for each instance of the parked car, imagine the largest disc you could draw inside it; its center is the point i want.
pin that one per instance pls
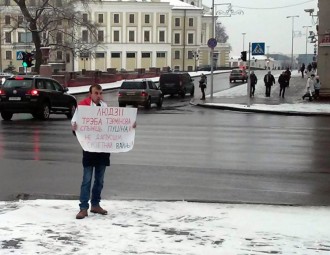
(40, 96)
(144, 92)
(238, 75)
(177, 83)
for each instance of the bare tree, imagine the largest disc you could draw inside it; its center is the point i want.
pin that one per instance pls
(220, 33)
(55, 23)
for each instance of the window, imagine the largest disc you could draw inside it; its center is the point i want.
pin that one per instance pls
(49, 85)
(115, 55)
(191, 22)
(190, 38)
(85, 18)
(59, 37)
(161, 36)
(147, 18)
(84, 36)
(116, 18)
(59, 55)
(145, 54)
(7, 20)
(131, 18)
(20, 20)
(176, 54)
(162, 19)
(146, 36)
(100, 18)
(116, 36)
(68, 57)
(177, 38)
(100, 36)
(177, 22)
(8, 55)
(131, 36)
(160, 54)
(130, 55)
(190, 55)
(99, 55)
(7, 37)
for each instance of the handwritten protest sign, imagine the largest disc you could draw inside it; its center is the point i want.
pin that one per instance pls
(106, 129)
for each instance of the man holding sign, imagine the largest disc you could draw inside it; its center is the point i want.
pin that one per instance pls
(100, 131)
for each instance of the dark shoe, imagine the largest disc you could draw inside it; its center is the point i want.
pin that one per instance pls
(82, 214)
(99, 210)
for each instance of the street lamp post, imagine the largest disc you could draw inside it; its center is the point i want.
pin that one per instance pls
(306, 57)
(292, 17)
(243, 40)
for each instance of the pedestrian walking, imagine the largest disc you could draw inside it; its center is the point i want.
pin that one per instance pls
(317, 87)
(269, 80)
(253, 82)
(288, 76)
(302, 70)
(310, 88)
(202, 85)
(283, 81)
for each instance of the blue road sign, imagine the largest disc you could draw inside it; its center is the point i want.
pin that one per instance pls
(258, 48)
(212, 43)
(19, 55)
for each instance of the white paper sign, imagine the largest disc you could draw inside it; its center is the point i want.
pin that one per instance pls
(106, 129)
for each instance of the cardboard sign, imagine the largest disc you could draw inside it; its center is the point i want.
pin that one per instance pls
(106, 129)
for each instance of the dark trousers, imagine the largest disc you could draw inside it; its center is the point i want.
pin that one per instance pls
(282, 91)
(302, 73)
(253, 88)
(317, 93)
(203, 92)
(268, 90)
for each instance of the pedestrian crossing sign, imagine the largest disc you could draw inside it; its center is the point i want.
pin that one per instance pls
(258, 48)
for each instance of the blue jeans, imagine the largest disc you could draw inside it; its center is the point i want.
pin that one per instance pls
(85, 189)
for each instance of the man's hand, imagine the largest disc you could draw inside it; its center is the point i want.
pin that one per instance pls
(134, 124)
(74, 126)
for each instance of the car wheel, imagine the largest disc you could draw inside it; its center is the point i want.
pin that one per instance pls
(72, 110)
(160, 102)
(44, 111)
(6, 115)
(192, 92)
(122, 105)
(148, 103)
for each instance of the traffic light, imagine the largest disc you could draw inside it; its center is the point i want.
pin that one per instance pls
(243, 55)
(30, 58)
(24, 59)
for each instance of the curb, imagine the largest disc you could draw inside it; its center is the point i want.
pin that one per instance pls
(286, 113)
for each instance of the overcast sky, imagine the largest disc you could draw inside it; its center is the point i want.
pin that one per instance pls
(268, 24)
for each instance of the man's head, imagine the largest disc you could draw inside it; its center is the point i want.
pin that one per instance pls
(95, 93)
(312, 76)
(269, 72)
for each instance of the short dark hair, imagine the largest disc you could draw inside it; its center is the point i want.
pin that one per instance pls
(97, 86)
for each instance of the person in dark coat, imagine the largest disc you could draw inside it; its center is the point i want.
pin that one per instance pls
(288, 76)
(269, 81)
(202, 85)
(254, 81)
(302, 70)
(283, 81)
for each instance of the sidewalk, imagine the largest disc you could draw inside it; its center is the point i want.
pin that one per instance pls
(235, 99)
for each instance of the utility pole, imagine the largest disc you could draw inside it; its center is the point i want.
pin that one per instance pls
(292, 35)
(306, 57)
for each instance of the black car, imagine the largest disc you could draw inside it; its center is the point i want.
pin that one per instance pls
(177, 83)
(37, 95)
(143, 92)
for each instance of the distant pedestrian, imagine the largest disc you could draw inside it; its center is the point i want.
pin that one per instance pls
(202, 85)
(269, 81)
(310, 87)
(288, 76)
(283, 81)
(302, 70)
(317, 87)
(253, 83)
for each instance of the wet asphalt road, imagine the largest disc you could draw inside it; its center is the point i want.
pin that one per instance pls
(181, 152)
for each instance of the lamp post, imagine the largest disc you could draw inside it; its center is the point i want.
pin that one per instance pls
(292, 17)
(306, 58)
(243, 40)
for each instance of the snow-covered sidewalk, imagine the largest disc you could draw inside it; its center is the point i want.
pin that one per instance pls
(147, 227)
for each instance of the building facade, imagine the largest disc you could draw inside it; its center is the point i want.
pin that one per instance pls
(131, 34)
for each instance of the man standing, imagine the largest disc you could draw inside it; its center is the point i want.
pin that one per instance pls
(283, 81)
(92, 161)
(269, 81)
(253, 83)
(310, 88)
(202, 85)
(302, 70)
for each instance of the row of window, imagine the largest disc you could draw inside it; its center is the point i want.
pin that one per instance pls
(132, 36)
